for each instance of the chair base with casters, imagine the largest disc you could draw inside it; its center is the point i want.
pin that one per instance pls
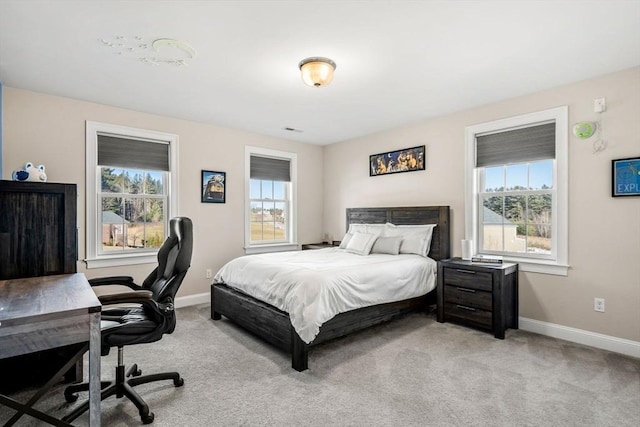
(121, 387)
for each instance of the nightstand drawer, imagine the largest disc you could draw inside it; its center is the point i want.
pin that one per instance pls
(477, 317)
(468, 297)
(468, 279)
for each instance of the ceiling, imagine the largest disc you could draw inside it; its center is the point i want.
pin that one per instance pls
(398, 62)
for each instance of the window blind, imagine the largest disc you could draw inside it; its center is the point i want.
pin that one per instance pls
(133, 153)
(270, 168)
(514, 146)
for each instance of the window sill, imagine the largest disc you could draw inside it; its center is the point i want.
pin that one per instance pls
(540, 266)
(121, 260)
(278, 247)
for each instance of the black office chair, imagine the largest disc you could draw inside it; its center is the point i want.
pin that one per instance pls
(150, 317)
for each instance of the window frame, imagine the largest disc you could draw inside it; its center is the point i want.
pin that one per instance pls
(95, 257)
(558, 263)
(292, 220)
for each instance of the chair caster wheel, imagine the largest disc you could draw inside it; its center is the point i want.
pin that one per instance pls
(134, 371)
(179, 383)
(147, 419)
(70, 398)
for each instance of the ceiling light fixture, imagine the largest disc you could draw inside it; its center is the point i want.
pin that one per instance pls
(157, 44)
(317, 71)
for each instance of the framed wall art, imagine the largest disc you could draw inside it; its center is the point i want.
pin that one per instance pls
(405, 160)
(625, 177)
(213, 187)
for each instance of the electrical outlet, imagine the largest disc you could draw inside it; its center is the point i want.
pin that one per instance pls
(598, 304)
(209, 274)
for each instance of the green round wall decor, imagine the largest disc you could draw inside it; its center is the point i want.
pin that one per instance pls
(584, 130)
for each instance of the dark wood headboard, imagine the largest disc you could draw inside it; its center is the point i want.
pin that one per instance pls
(415, 215)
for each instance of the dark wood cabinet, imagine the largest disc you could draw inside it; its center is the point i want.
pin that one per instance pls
(484, 296)
(38, 237)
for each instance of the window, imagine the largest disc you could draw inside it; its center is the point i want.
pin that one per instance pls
(270, 200)
(516, 190)
(131, 181)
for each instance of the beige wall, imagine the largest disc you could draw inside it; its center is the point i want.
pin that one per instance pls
(604, 233)
(50, 130)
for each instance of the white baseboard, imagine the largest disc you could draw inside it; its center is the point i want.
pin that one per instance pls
(193, 299)
(605, 342)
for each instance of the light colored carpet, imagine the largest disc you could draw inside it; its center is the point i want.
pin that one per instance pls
(410, 372)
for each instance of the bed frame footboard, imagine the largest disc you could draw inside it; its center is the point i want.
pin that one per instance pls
(258, 317)
(274, 325)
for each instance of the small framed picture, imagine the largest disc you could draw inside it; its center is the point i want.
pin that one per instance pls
(213, 187)
(406, 160)
(625, 177)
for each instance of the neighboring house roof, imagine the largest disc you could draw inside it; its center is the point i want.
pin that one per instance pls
(109, 217)
(490, 217)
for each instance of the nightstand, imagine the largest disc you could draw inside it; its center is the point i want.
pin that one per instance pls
(317, 246)
(483, 296)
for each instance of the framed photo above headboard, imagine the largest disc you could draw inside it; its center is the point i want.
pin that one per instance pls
(405, 160)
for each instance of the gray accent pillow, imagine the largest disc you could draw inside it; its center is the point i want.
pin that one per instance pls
(387, 245)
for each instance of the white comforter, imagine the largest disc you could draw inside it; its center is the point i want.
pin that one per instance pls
(315, 285)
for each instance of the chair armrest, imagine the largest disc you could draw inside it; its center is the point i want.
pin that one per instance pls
(115, 280)
(132, 297)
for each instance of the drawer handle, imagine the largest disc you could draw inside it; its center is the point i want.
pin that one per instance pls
(471, 291)
(466, 308)
(465, 271)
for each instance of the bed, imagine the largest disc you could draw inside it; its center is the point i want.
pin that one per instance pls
(274, 325)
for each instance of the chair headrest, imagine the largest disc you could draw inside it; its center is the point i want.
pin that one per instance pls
(174, 256)
(182, 229)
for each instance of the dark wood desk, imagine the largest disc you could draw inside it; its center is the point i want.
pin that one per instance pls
(39, 313)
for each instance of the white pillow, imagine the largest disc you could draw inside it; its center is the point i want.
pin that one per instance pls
(375, 229)
(345, 241)
(387, 245)
(360, 228)
(413, 234)
(415, 246)
(361, 243)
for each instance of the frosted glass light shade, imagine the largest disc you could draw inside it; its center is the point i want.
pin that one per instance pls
(317, 71)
